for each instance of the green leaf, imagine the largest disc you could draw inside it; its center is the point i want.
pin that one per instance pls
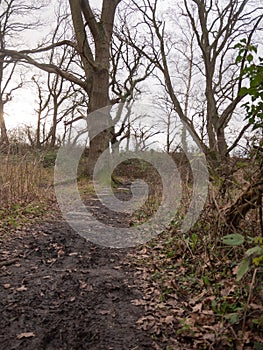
(206, 281)
(258, 346)
(233, 318)
(257, 250)
(250, 58)
(233, 239)
(257, 126)
(239, 59)
(257, 80)
(238, 46)
(243, 91)
(243, 268)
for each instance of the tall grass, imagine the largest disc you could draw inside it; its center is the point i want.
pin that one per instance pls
(22, 180)
(25, 188)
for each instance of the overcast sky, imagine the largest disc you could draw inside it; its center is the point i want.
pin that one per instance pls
(21, 110)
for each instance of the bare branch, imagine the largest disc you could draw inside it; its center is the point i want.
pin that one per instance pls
(50, 68)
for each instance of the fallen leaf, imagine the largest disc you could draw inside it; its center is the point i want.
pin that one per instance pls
(137, 302)
(208, 312)
(197, 307)
(197, 297)
(172, 302)
(146, 322)
(104, 312)
(60, 252)
(169, 319)
(21, 289)
(209, 336)
(256, 307)
(82, 284)
(25, 335)
(234, 270)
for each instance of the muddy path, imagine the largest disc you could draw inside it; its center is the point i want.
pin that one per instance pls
(59, 291)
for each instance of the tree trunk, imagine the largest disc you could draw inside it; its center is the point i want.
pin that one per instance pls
(99, 98)
(54, 122)
(221, 145)
(38, 141)
(96, 65)
(4, 141)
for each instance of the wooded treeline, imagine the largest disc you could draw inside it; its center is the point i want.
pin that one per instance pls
(116, 53)
(193, 58)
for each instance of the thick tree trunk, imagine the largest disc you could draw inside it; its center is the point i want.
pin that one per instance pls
(96, 65)
(99, 98)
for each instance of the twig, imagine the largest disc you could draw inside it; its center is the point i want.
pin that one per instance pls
(248, 300)
(7, 262)
(260, 212)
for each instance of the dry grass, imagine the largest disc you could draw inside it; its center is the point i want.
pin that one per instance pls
(25, 189)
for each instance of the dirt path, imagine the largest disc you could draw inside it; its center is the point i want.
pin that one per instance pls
(58, 291)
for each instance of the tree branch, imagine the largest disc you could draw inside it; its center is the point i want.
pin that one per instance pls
(50, 68)
(238, 138)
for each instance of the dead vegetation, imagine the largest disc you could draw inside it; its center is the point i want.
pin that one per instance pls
(203, 288)
(188, 281)
(25, 191)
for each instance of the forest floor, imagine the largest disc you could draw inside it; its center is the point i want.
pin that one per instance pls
(60, 292)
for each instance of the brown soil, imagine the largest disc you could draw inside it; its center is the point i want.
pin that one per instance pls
(59, 291)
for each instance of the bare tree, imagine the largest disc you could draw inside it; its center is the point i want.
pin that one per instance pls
(216, 28)
(64, 96)
(42, 111)
(13, 20)
(93, 38)
(143, 135)
(93, 33)
(167, 122)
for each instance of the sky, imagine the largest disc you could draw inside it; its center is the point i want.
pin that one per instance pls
(21, 110)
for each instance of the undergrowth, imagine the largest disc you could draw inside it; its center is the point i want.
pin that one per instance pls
(194, 292)
(26, 190)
